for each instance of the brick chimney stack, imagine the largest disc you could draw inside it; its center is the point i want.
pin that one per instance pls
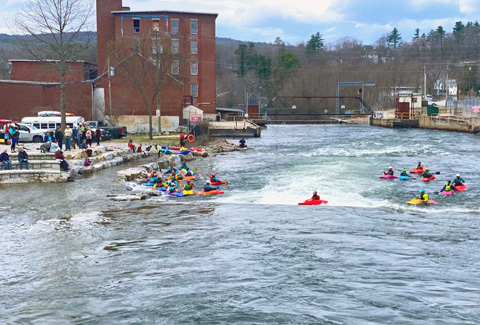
(105, 29)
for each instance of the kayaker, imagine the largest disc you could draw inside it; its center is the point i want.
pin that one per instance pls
(188, 172)
(214, 179)
(170, 182)
(188, 186)
(155, 177)
(423, 196)
(458, 181)
(315, 196)
(404, 173)
(419, 166)
(448, 187)
(209, 188)
(390, 171)
(427, 174)
(183, 166)
(242, 143)
(172, 188)
(172, 169)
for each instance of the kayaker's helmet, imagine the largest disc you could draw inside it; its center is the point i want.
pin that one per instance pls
(426, 168)
(208, 183)
(314, 193)
(448, 182)
(404, 169)
(422, 191)
(390, 167)
(188, 181)
(458, 175)
(213, 174)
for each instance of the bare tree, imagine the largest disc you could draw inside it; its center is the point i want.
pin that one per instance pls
(142, 66)
(56, 29)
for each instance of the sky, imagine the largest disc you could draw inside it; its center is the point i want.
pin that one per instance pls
(294, 21)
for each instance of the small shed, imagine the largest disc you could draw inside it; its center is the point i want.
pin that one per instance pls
(191, 114)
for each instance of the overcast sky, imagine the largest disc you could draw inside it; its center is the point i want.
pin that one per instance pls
(295, 21)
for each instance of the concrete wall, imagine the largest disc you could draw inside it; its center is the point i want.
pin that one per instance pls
(450, 124)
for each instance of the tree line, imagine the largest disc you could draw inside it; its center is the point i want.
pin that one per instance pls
(313, 68)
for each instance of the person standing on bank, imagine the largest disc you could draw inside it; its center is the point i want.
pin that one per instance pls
(59, 137)
(23, 158)
(98, 134)
(88, 137)
(68, 137)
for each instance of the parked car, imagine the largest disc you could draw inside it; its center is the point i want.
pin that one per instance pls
(28, 133)
(117, 132)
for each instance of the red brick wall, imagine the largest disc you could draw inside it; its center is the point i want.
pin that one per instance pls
(45, 71)
(18, 100)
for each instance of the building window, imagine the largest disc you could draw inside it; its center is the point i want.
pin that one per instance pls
(194, 68)
(194, 26)
(156, 25)
(156, 46)
(193, 47)
(175, 67)
(136, 25)
(175, 45)
(174, 26)
(194, 90)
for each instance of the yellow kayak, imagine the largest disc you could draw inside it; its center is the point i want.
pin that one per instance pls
(188, 192)
(418, 201)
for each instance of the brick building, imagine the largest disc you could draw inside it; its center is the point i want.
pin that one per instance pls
(185, 40)
(186, 43)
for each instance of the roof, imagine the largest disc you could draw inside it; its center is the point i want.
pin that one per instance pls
(236, 110)
(163, 12)
(43, 61)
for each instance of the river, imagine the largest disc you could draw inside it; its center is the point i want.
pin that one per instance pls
(252, 255)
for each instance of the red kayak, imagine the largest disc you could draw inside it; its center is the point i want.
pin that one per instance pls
(461, 188)
(313, 202)
(428, 179)
(219, 183)
(210, 192)
(417, 171)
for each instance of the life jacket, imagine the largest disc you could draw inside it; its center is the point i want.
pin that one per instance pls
(448, 187)
(424, 197)
(188, 187)
(171, 189)
(153, 174)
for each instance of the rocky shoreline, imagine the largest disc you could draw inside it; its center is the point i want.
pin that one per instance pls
(107, 155)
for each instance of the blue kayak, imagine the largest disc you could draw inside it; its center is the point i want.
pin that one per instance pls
(403, 178)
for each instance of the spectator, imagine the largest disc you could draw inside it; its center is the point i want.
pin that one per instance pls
(47, 137)
(59, 156)
(83, 145)
(59, 137)
(75, 137)
(88, 137)
(139, 149)
(23, 158)
(14, 135)
(68, 137)
(182, 139)
(5, 160)
(131, 146)
(98, 134)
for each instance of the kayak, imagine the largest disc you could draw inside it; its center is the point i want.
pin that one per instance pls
(184, 152)
(461, 188)
(403, 178)
(189, 178)
(428, 179)
(447, 192)
(418, 201)
(148, 184)
(388, 176)
(312, 202)
(175, 194)
(219, 183)
(210, 192)
(162, 189)
(417, 171)
(187, 192)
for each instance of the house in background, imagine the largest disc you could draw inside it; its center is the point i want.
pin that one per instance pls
(444, 87)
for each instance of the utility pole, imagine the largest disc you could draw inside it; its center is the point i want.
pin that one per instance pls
(424, 81)
(157, 86)
(110, 74)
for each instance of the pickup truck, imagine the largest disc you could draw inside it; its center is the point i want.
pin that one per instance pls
(28, 133)
(117, 132)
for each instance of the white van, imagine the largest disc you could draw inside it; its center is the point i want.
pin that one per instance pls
(52, 122)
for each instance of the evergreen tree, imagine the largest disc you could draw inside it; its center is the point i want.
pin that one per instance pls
(416, 36)
(315, 43)
(394, 38)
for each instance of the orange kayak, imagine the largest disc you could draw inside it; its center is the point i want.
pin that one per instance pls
(210, 192)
